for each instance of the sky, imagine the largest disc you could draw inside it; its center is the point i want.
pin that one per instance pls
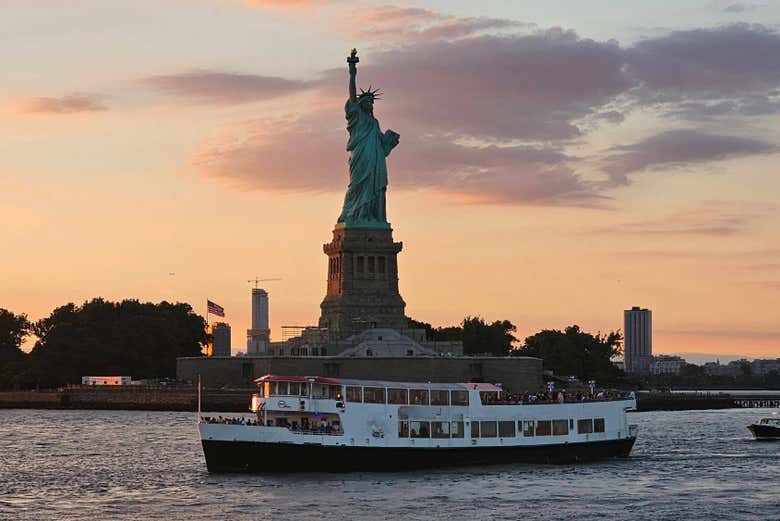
(559, 161)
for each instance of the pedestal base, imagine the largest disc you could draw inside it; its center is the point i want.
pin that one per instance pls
(362, 289)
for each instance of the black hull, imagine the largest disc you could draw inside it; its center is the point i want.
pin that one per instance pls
(234, 456)
(765, 432)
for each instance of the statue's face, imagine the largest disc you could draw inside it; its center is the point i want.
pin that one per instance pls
(367, 104)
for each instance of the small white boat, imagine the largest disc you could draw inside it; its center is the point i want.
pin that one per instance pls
(766, 429)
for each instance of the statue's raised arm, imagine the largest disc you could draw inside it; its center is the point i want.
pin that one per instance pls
(352, 61)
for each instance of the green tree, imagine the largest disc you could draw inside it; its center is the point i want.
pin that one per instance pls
(131, 338)
(573, 352)
(495, 338)
(13, 330)
(478, 336)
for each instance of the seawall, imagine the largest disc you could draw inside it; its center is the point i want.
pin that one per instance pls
(174, 398)
(185, 398)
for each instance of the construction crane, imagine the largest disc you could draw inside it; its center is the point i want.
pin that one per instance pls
(257, 281)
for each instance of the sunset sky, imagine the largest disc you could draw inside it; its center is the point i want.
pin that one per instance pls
(559, 161)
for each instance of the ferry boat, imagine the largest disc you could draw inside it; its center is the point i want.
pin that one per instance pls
(320, 424)
(766, 429)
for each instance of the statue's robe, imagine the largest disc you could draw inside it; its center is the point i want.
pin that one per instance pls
(364, 202)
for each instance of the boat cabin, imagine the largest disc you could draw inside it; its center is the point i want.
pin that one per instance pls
(377, 392)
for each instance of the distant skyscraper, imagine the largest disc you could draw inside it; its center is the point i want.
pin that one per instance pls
(638, 352)
(258, 337)
(220, 334)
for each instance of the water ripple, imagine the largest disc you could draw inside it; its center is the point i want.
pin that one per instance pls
(128, 465)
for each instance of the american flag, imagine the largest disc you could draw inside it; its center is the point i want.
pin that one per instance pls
(215, 309)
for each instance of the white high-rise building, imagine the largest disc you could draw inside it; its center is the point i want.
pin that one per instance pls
(638, 352)
(259, 336)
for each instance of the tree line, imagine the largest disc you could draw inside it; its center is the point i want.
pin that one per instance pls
(143, 340)
(571, 352)
(99, 337)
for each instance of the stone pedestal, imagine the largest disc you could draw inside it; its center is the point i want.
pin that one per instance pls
(362, 282)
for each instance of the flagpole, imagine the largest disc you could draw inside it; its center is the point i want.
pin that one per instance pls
(200, 417)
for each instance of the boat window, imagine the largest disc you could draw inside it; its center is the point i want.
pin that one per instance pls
(560, 427)
(355, 394)
(475, 429)
(398, 396)
(403, 429)
(295, 389)
(334, 392)
(420, 429)
(598, 425)
(506, 429)
(419, 397)
(585, 426)
(543, 427)
(528, 428)
(488, 397)
(440, 429)
(374, 394)
(456, 429)
(459, 397)
(318, 391)
(487, 429)
(440, 397)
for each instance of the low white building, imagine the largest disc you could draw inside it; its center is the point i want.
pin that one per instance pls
(106, 380)
(667, 364)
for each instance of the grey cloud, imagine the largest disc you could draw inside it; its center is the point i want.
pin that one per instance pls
(65, 105)
(224, 87)
(733, 60)
(675, 148)
(529, 87)
(746, 106)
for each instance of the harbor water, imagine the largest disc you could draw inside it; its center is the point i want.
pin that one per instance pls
(122, 465)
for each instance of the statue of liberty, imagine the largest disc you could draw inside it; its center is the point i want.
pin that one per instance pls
(364, 204)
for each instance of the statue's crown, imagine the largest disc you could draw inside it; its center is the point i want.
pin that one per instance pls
(370, 94)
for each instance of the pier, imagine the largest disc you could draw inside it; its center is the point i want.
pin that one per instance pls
(691, 400)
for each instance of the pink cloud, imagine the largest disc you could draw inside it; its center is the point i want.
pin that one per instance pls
(288, 5)
(224, 87)
(69, 104)
(488, 116)
(406, 24)
(268, 155)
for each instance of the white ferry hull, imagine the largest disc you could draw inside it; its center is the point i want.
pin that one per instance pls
(261, 457)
